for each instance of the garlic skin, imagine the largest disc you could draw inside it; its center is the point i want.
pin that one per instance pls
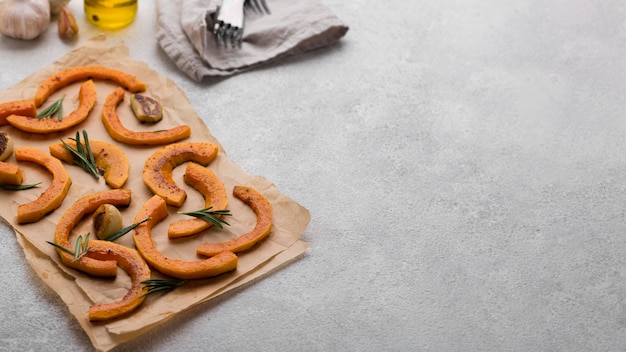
(56, 6)
(24, 19)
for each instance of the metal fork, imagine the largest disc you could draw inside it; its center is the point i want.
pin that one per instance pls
(228, 28)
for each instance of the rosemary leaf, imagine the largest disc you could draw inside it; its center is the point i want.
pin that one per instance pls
(55, 108)
(18, 187)
(209, 215)
(83, 155)
(125, 230)
(80, 247)
(155, 285)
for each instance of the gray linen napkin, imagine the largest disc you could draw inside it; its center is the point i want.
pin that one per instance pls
(185, 34)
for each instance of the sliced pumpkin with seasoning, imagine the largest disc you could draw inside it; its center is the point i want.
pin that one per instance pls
(156, 209)
(108, 157)
(64, 77)
(53, 196)
(18, 107)
(73, 215)
(263, 210)
(87, 101)
(10, 174)
(116, 129)
(158, 168)
(214, 193)
(133, 264)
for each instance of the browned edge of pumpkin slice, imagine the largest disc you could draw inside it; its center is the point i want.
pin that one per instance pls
(133, 264)
(214, 193)
(79, 73)
(263, 210)
(18, 107)
(156, 209)
(53, 196)
(87, 101)
(108, 157)
(10, 174)
(158, 168)
(116, 129)
(83, 206)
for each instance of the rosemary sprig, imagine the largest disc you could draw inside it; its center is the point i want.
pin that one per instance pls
(125, 230)
(83, 155)
(80, 248)
(210, 215)
(155, 285)
(18, 187)
(55, 108)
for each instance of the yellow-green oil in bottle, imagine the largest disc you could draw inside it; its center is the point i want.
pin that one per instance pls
(111, 14)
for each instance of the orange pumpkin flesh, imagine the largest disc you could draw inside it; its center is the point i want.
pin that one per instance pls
(205, 181)
(156, 209)
(83, 206)
(53, 196)
(87, 100)
(133, 264)
(263, 210)
(116, 129)
(108, 157)
(18, 107)
(74, 74)
(158, 168)
(10, 174)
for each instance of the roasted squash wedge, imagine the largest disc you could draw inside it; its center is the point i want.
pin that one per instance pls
(53, 196)
(18, 107)
(214, 192)
(108, 157)
(87, 100)
(116, 129)
(156, 209)
(10, 174)
(83, 206)
(157, 170)
(133, 264)
(263, 210)
(75, 74)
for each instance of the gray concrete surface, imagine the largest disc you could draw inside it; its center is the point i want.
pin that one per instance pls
(464, 163)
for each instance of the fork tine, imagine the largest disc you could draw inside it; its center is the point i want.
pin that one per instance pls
(264, 4)
(251, 4)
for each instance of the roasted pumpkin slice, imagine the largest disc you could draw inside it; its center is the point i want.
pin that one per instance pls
(18, 107)
(53, 196)
(156, 209)
(263, 210)
(10, 174)
(108, 157)
(133, 264)
(87, 100)
(116, 129)
(83, 206)
(157, 170)
(80, 73)
(210, 186)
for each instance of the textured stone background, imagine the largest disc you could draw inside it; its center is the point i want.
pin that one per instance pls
(464, 165)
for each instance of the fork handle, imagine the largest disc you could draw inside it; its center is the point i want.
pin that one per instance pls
(231, 12)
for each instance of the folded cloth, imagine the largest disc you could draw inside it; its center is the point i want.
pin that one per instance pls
(185, 32)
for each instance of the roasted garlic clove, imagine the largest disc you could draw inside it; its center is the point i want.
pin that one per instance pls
(67, 23)
(146, 109)
(24, 19)
(6, 146)
(107, 220)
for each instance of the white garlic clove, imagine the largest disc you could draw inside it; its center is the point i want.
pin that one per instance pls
(24, 19)
(6, 146)
(107, 220)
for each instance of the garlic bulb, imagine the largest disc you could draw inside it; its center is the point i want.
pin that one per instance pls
(57, 5)
(24, 19)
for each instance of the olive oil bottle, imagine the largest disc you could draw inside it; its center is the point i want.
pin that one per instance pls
(111, 14)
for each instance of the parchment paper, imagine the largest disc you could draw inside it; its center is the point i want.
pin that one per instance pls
(80, 291)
